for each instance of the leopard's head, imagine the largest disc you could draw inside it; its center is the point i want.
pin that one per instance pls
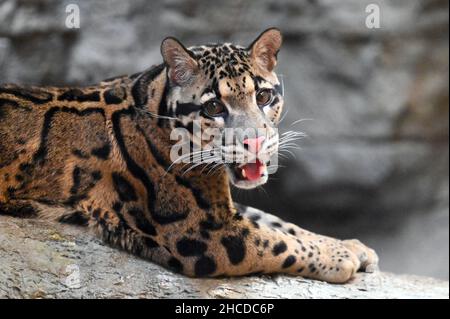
(228, 89)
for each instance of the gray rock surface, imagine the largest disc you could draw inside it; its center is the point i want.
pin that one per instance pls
(41, 259)
(375, 165)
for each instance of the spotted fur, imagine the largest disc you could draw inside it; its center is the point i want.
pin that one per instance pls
(99, 156)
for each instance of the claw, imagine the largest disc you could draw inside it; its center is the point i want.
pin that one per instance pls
(372, 268)
(363, 257)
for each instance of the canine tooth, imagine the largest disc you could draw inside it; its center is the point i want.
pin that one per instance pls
(243, 173)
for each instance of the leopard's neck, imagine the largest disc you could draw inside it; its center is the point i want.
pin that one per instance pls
(149, 94)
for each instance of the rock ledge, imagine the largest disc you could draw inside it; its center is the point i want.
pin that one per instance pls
(40, 259)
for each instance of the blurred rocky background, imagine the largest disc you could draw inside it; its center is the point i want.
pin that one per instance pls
(375, 106)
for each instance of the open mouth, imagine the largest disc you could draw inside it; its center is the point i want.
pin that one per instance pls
(249, 175)
(251, 171)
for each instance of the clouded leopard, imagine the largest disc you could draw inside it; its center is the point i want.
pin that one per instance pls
(100, 156)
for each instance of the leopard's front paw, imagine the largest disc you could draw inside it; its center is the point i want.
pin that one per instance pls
(368, 258)
(340, 260)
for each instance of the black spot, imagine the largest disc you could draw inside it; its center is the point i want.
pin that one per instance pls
(96, 214)
(210, 223)
(111, 96)
(80, 154)
(150, 243)
(102, 152)
(235, 248)
(96, 175)
(292, 231)
(289, 261)
(255, 217)
(75, 218)
(11, 190)
(123, 188)
(279, 248)
(117, 207)
(25, 167)
(205, 234)
(191, 247)
(76, 177)
(205, 266)
(142, 223)
(79, 96)
(175, 265)
(275, 224)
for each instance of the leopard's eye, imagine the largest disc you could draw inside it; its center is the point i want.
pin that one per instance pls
(214, 108)
(264, 97)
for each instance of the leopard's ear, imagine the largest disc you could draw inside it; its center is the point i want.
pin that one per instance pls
(264, 49)
(183, 66)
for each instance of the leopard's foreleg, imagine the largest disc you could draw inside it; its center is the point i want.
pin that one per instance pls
(337, 249)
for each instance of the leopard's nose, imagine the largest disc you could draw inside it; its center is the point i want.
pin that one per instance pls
(254, 145)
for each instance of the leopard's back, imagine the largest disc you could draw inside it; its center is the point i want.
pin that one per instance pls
(53, 140)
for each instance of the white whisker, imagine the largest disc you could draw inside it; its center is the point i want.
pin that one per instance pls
(300, 121)
(157, 115)
(185, 156)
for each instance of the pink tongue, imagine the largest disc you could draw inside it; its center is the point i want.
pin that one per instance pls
(253, 171)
